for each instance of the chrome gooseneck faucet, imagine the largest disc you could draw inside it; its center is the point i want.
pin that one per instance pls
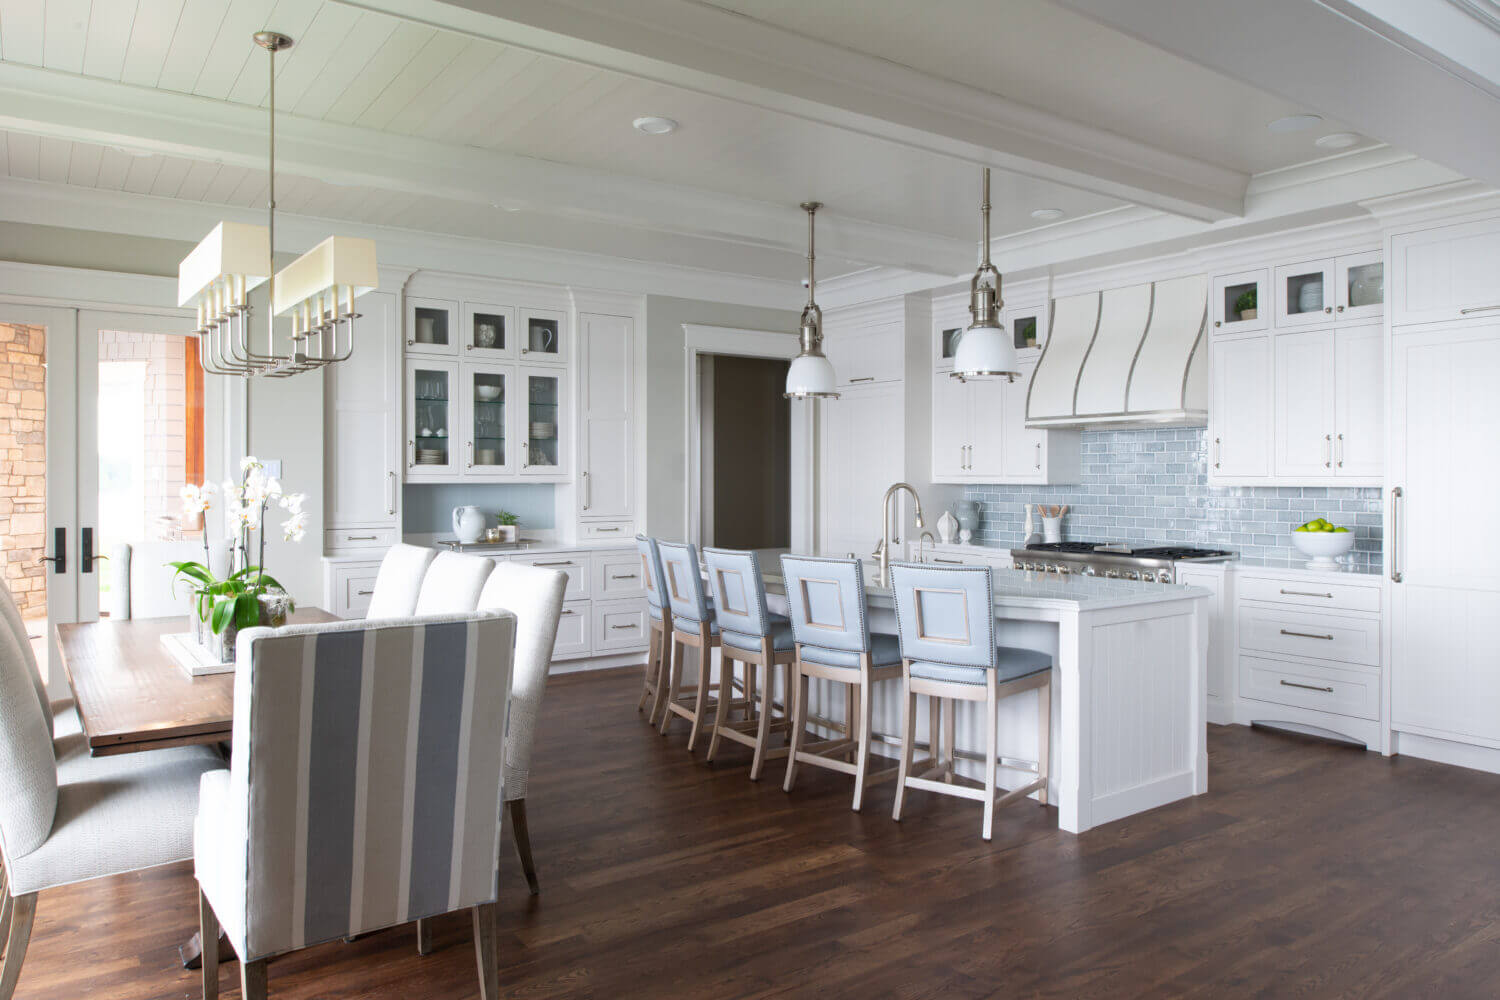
(883, 550)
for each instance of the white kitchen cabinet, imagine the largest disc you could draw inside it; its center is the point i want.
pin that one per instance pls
(542, 336)
(1239, 423)
(542, 422)
(432, 326)
(1304, 293)
(1028, 323)
(573, 631)
(1446, 273)
(860, 455)
(866, 354)
(1229, 289)
(362, 420)
(606, 440)
(1440, 545)
(348, 585)
(486, 406)
(489, 331)
(433, 437)
(1360, 287)
(1359, 403)
(1304, 392)
(979, 434)
(1220, 635)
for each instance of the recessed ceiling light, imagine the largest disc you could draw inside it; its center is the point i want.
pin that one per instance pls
(1047, 214)
(1294, 123)
(655, 125)
(1336, 140)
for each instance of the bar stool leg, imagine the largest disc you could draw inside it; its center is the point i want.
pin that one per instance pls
(862, 719)
(948, 740)
(674, 669)
(700, 703)
(908, 736)
(763, 730)
(991, 749)
(653, 649)
(1044, 738)
(799, 716)
(721, 709)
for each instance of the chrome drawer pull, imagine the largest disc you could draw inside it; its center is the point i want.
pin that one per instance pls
(567, 612)
(622, 576)
(1304, 593)
(622, 626)
(1478, 309)
(868, 378)
(1307, 687)
(603, 530)
(360, 538)
(950, 562)
(565, 562)
(1307, 635)
(364, 593)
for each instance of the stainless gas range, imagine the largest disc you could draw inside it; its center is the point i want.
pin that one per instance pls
(1115, 560)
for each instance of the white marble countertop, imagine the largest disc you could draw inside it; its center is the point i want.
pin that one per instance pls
(532, 549)
(1024, 589)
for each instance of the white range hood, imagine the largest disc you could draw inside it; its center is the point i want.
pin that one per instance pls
(1127, 357)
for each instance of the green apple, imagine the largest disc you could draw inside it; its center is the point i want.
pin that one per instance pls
(1345, 530)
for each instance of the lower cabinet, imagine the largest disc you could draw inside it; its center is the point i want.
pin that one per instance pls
(348, 585)
(619, 626)
(572, 631)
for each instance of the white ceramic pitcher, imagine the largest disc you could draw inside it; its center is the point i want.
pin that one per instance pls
(468, 524)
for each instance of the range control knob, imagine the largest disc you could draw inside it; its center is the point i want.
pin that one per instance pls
(1164, 576)
(1090, 571)
(1111, 574)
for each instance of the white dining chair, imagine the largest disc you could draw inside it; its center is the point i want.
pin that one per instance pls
(535, 596)
(399, 581)
(363, 791)
(452, 584)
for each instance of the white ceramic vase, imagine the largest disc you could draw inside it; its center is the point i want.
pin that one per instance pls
(947, 527)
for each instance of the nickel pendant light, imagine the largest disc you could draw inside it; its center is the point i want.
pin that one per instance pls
(985, 349)
(811, 373)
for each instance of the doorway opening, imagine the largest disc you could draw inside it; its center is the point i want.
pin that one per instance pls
(745, 459)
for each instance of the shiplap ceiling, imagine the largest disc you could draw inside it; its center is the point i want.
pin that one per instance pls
(399, 72)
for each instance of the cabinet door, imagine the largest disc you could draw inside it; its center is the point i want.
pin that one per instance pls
(1304, 403)
(1305, 293)
(861, 455)
(1027, 325)
(989, 401)
(944, 343)
(362, 414)
(433, 436)
(542, 412)
(1446, 273)
(606, 384)
(1220, 677)
(1359, 398)
(1025, 448)
(543, 336)
(488, 399)
(489, 331)
(1240, 414)
(1445, 624)
(1361, 286)
(432, 326)
(870, 355)
(950, 428)
(1234, 290)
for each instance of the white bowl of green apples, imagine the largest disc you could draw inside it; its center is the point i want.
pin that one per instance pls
(1322, 542)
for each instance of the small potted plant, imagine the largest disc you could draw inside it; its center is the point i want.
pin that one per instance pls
(507, 522)
(1245, 304)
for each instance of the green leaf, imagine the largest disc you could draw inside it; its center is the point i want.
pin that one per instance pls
(246, 611)
(223, 612)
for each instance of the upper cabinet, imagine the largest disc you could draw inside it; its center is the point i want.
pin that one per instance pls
(489, 331)
(543, 336)
(362, 421)
(606, 442)
(1334, 290)
(1446, 273)
(1241, 302)
(979, 434)
(432, 326)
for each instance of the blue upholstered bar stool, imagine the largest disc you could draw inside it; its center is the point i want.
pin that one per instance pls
(657, 649)
(693, 627)
(948, 653)
(751, 635)
(826, 598)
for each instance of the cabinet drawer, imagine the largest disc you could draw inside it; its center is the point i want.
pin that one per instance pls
(575, 564)
(619, 626)
(608, 530)
(1310, 595)
(618, 574)
(572, 631)
(1309, 634)
(1340, 690)
(336, 539)
(351, 587)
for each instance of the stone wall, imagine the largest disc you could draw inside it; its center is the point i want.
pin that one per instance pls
(23, 480)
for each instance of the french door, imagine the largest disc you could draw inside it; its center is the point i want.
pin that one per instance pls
(85, 394)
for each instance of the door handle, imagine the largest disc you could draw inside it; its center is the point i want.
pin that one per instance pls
(1307, 635)
(86, 557)
(587, 492)
(1307, 687)
(1397, 495)
(1327, 451)
(1218, 451)
(391, 509)
(59, 556)
(1339, 451)
(1039, 454)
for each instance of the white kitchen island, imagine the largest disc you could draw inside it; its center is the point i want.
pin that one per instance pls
(1130, 690)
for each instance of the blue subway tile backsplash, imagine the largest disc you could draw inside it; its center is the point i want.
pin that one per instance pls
(1152, 486)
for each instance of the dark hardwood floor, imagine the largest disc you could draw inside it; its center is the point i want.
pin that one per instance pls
(1308, 870)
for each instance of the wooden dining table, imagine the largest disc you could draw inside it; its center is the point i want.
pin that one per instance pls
(132, 696)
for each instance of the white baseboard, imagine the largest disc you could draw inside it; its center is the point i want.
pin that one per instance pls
(1447, 752)
(637, 659)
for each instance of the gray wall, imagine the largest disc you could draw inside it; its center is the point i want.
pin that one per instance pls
(666, 487)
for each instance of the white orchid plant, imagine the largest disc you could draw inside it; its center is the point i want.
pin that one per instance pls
(236, 597)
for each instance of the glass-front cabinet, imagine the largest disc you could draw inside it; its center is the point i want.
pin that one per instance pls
(1241, 302)
(541, 433)
(432, 429)
(543, 336)
(488, 401)
(1027, 325)
(1361, 286)
(489, 331)
(1305, 293)
(431, 326)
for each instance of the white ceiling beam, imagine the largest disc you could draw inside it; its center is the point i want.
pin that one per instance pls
(1312, 54)
(709, 50)
(43, 102)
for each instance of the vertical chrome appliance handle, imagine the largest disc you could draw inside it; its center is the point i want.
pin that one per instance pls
(391, 509)
(587, 493)
(1397, 494)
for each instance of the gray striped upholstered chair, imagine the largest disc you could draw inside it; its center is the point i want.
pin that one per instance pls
(68, 817)
(364, 789)
(534, 595)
